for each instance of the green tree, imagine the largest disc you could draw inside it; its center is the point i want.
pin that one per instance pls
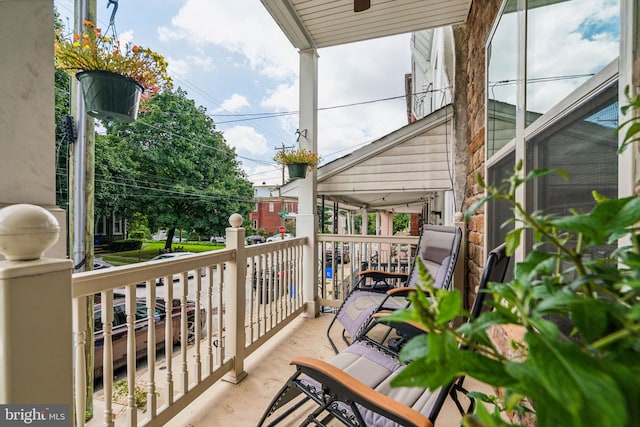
(327, 216)
(371, 225)
(401, 221)
(184, 175)
(115, 175)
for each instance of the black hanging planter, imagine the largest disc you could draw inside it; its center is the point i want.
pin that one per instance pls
(297, 170)
(110, 96)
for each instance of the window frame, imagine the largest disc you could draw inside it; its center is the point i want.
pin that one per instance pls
(617, 71)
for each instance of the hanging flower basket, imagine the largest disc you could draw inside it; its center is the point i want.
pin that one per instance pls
(297, 170)
(114, 76)
(110, 96)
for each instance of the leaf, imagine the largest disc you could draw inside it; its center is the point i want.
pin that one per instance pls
(475, 206)
(628, 215)
(568, 387)
(537, 262)
(590, 317)
(484, 369)
(536, 173)
(591, 229)
(416, 348)
(632, 131)
(440, 365)
(512, 240)
(449, 306)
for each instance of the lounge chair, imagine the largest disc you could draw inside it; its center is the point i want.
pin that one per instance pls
(438, 250)
(354, 386)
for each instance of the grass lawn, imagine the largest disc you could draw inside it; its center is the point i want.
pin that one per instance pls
(151, 249)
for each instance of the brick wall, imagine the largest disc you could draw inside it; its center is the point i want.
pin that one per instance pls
(479, 22)
(481, 17)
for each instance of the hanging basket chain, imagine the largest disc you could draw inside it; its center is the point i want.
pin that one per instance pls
(112, 20)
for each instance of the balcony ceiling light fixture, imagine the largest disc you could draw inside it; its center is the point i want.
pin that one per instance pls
(361, 5)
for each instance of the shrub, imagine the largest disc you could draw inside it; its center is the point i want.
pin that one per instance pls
(125, 245)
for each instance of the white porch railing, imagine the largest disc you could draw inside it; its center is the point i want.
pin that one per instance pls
(223, 323)
(341, 257)
(213, 309)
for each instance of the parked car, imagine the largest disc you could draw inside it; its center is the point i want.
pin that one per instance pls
(99, 263)
(278, 237)
(341, 254)
(141, 327)
(218, 239)
(255, 239)
(173, 255)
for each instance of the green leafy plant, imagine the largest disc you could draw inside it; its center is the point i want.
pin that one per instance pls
(632, 125)
(121, 390)
(297, 155)
(586, 374)
(93, 50)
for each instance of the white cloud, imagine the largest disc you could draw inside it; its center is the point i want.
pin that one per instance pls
(204, 62)
(270, 175)
(246, 140)
(355, 73)
(241, 26)
(233, 104)
(352, 74)
(568, 41)
(178, 67)
(125, 37)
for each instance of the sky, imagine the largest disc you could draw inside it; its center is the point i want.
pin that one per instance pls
(233, 59)
(573, 40)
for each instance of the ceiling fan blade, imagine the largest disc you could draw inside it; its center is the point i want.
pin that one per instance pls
(360, 5)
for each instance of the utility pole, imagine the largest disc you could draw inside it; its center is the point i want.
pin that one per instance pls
(81, 202)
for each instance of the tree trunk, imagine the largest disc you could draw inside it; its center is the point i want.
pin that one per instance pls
(170, 234)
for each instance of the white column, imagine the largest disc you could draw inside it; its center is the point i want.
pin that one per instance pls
(386, 223)
(629, 64)
(35, 301)
(459, 274)
(235, 300)
(365, 221)
(27, 128)
(307, 221)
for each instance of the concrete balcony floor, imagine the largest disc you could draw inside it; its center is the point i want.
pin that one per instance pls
(268, 368)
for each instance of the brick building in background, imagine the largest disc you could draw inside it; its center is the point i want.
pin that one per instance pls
(267, 210)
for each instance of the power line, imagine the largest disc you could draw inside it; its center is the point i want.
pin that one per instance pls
(62, 172)
(171, 133)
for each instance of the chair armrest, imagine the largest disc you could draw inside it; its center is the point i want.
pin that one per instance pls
(346, 386)
(400, 292)
(379, 275)
(409, 328)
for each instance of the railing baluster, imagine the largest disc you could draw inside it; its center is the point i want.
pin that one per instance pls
(220, 349)
(184, 333)
(256, 296)
(106, 302)
(168, 338)
(152, 401)
(269, 292)
(80, 334)
(197, 330)
(130, 310)
(253, 312)
(210, 332)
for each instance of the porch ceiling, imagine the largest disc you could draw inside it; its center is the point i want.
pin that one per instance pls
(323, 23)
